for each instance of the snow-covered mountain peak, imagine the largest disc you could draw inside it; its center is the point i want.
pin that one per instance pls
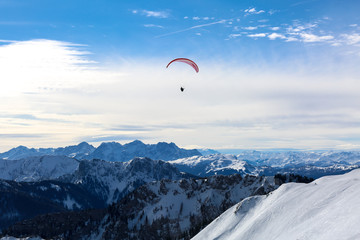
(135, 143)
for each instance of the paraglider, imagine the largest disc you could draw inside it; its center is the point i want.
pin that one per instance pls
(187, 61)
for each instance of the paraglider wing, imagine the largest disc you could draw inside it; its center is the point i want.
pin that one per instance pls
(185, 60)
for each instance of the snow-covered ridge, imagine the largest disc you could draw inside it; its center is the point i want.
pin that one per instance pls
(37, 168)
(214, 164)
(311, 164)
(327, 208)
(113, 180)
(300, 158)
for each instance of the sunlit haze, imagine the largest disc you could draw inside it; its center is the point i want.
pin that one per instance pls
(273, 74)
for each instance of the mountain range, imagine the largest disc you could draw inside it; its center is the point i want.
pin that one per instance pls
(109, 151)
(116, 191)
(24, 164)
(310, 164)
(158, 210)
(94, 184)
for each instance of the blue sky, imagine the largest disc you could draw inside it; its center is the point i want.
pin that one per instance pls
(273, 74)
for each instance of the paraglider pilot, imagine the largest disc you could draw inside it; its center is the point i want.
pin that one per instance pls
(182, 89)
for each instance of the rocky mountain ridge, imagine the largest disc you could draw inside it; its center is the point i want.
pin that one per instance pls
(110, 151)
(158, 210)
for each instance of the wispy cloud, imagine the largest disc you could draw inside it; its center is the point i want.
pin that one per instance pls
(21, 136)
(253, 11)
(234, 35)
(275, 28)
(149, 13)
(39, 61)
(153, 26)
(193, 27)
(274, 36)
(111, 137)
(250, 28)
(257, 35)
(309, 37)
(7, 41)
(351, 39)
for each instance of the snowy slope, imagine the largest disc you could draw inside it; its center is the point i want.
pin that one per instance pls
(328, 208)
(111, 181)
(225, 164)
(37, 168)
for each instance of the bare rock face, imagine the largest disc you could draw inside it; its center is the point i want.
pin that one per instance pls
(113, 151)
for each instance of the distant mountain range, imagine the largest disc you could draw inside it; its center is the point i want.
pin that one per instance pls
(109, 151)
(310, 164)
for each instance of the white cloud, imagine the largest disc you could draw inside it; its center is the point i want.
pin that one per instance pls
(275, 106)
(29, 65)
(194, 27)
(206, 18)
(253, 11)
(353, 25)
(272, 11)
(153, 26)
(291, 39)
(250, 28)
(297, 28)
(274, 36)
(256, 35)
(196, 18)
(309, 37)
(275, 28)
(234, 35)
(148, 13)
(351, 39)
(7, 41)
